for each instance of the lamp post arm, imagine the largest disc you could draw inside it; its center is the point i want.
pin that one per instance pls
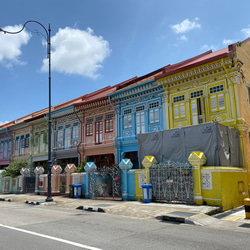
(49, 198)
(30, 21)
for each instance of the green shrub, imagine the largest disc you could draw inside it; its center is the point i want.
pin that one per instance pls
(15, 167)
(81, 169)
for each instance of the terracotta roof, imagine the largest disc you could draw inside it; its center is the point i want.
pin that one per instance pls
(41, 113)
(144, 78)
(101, 94)
(201, 59)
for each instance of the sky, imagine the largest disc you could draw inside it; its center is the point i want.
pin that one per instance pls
(99, 43)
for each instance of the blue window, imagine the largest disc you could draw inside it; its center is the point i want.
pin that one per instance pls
(67, 137)
(27, 141)
(60, 134)
(1, 147)
(154, 112)
(140, 119)
(75, 130)
(17, 143)
(10, 145)
(140, 122)
(5, 149)
(22, 145)
(127, 118)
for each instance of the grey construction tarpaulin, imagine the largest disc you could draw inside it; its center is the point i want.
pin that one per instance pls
(220, 144)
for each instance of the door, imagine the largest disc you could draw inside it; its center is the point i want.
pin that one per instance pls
(67, 138)
(197, 111)
(98, 132)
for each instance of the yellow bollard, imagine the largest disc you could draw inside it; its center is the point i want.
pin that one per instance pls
(247, 207)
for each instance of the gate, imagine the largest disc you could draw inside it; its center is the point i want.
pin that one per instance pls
(172, 182)
(62, 184)
(106, 183)
(30, 182)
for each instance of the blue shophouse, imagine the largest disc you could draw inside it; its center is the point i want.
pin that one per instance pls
(140, 108)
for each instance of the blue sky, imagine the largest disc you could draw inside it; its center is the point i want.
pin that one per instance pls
(96, 43)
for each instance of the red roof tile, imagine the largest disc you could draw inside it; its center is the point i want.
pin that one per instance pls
(201, 59)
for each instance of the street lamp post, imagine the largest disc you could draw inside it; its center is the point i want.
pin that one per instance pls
(49, 198)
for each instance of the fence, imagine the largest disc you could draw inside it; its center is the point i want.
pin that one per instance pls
(172, 182)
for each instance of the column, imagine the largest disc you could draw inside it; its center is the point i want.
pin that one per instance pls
(70, 168)
(38, 171)
(125, 165)
(197, 159)
(148, 162)
(56, 171)
(90, 167)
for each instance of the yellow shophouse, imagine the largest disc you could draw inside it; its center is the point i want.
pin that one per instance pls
(214, 86)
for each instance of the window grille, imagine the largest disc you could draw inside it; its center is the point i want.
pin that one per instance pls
(89, 120)
(109, 116)
(216, 89)
(179, 98)
(127, 111)
(75, 124)
(196, 94)
(140, 108)
(99, 118)
(154, 105)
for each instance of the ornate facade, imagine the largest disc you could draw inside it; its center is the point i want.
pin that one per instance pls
(98, 128)
(39, 141)
(102, 127)
(213, 86)
(140, 108)
(66, 137)
(6, 139)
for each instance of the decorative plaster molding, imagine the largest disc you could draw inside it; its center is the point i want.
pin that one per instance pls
(194, 73)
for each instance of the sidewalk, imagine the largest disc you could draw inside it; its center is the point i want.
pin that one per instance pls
(134, 209)
(165, 212)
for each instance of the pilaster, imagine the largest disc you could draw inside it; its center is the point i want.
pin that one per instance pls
(197, 159)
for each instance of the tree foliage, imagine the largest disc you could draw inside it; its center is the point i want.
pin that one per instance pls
(14, 168)
(81, 169)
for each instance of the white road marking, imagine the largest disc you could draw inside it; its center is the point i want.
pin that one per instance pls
(52, 238)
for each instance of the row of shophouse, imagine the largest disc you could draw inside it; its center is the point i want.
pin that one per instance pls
(103, 126)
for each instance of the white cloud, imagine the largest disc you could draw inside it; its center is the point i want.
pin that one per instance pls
(2, 123)
(10, 48)
(185, 26)
(246, 31)
(227, 42)
(77, 51)
(221, 45)
(206, 47)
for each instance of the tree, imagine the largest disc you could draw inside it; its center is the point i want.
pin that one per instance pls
(81, 169)
(14, 168)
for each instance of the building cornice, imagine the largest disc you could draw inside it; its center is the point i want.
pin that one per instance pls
(136, 91)
(195, 73)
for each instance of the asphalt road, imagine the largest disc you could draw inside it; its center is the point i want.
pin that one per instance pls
(38, 227)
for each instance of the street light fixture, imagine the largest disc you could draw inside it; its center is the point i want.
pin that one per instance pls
(49, 198)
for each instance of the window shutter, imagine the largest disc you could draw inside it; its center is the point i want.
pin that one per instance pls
(45, 138)
(32, 140)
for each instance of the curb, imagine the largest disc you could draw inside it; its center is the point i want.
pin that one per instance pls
(179, 220)
(91, 209)
(4, 199)
(33, 202)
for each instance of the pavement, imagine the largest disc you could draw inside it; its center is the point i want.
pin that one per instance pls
(200, 215)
